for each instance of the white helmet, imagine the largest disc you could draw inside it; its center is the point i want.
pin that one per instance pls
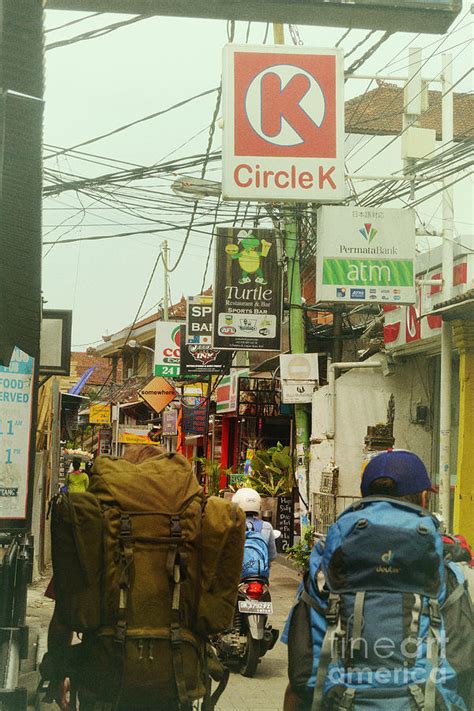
(248, 499)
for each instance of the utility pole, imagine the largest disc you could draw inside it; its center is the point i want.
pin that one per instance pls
(297, 341)
(164, 253)
(446, 331)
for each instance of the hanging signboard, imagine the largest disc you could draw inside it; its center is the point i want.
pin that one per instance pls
(202, 360)
(170, 423)
(158, 394)
(99, 414)
(16, 396)
(365, 255)
(283, 124)
(227, 391)
(167, 348)
(195, 417)
(199, 320)
(248, 290)
(104, 441)
(259, 397)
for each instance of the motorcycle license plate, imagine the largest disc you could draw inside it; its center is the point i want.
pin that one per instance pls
(255, 607)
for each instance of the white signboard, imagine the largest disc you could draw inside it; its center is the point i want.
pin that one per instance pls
(296, 391)
(299, 366)
(167, 348)
(16, 394)
(283, 124)
(365, 255)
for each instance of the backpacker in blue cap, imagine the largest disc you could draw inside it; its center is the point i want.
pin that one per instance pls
(368, 629)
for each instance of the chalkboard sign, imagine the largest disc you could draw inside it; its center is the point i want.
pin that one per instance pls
(285, 516)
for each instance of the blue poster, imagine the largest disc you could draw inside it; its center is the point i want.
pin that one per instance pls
(16, 394)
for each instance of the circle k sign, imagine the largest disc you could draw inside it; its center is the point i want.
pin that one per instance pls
(283, 124)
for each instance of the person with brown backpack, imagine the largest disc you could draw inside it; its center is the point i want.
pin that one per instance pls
(145, 569)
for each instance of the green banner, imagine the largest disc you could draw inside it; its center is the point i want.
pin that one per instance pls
(368, 272)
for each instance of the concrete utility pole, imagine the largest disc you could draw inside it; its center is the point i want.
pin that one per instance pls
(446, 330)
(164, 253)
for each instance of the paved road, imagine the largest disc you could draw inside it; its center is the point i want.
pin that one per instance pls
(265, 691)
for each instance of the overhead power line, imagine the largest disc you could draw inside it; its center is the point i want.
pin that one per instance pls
(98, 32)
(134, 123)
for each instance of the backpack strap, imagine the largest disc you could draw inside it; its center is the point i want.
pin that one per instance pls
(433, 652)
(358, 620)
(454, 596)
(174, 568)
(257, 525)
(418, 696)
(347, 701)
(413, 632)
(126, 559)
(328, 650)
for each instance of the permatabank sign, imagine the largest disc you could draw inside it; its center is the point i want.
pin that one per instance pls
(283, 124)
(365, 255)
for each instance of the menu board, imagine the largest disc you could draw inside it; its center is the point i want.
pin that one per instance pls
(285, 516)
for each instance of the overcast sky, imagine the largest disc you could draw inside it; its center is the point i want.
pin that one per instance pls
(95, 86)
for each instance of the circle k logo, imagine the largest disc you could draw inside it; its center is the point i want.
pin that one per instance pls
(280, 101)
(285, 104)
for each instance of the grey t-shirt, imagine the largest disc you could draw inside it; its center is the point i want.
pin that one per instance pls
(268, 536)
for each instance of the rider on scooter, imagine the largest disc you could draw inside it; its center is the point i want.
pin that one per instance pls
(250, 501)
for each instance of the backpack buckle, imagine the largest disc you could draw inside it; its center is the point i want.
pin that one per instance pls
(175, 635)
(332, 612)
(125, 526)
(435, 614)
(120, 631)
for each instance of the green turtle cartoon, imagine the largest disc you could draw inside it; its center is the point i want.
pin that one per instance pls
(249, 256)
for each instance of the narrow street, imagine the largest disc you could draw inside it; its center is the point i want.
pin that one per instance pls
(265, 691)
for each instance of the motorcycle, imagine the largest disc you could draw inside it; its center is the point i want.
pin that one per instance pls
(251, 636)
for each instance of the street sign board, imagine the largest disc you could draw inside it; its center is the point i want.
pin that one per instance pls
(297, 391)
(99, 413)
(202, 360)
(283, 124)
(199, 320)
(16, 399)
(167, 348)
(365, 255)
(248, 290)
(299, 366)
(158, 394)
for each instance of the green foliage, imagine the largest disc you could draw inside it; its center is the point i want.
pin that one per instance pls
(300, 552)
(212, 472)
(272, 471)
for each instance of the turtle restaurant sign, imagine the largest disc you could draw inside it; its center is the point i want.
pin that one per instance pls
(248, 290)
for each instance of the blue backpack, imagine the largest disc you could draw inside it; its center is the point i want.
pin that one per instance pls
(367, 630)
(256, 560)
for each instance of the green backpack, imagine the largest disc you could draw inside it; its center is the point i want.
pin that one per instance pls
(146, 568)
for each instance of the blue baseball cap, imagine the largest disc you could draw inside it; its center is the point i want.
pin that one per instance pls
(404, 468)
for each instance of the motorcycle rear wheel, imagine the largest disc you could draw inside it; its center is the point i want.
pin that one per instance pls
(251, 659)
